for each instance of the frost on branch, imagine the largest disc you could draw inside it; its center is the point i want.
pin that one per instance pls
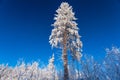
(65, 22)
(51, 69)
(30, 71)
(112, 63)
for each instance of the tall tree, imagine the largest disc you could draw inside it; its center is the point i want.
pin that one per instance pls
(65, 35)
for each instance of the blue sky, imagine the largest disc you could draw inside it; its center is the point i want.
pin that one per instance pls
(25, 27)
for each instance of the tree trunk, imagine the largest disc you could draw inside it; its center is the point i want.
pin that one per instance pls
(65, 59)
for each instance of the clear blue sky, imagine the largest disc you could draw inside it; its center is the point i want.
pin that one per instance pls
(25, 26)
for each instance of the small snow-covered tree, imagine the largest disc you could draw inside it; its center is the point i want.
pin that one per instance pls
(65, 34)
(112, 64)
(91, 70)
(51, 69)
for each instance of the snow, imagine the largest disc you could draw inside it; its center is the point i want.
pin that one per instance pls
(65, 21)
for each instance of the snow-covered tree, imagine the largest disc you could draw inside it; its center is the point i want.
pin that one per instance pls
(65, 34)
(112, 64)
(91, 70)
(51, 69)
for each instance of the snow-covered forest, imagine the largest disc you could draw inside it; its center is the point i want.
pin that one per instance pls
(76, 65)
(89, 69)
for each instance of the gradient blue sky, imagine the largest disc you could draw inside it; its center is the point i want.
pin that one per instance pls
(25, 26)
